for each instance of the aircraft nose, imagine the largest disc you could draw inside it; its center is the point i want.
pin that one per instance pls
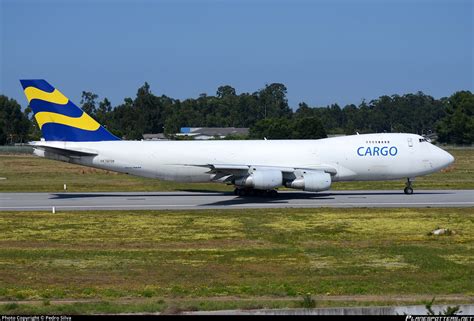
(446, 158)
(450, 158)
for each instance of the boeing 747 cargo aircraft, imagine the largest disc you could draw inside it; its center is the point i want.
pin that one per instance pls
(254, 167)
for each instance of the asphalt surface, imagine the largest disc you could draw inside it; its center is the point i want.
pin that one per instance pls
(219, 200)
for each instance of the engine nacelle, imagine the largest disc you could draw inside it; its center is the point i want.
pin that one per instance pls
(313, 182)
(264, 179)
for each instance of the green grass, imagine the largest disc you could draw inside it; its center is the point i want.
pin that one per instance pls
(173, 306)
(83, 307)
(27, 173)
(128, 261)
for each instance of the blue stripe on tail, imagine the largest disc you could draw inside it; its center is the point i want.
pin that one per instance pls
(59, 118)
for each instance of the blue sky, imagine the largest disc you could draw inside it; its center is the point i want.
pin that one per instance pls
(323, 51)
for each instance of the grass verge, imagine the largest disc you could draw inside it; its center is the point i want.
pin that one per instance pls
(147, 261)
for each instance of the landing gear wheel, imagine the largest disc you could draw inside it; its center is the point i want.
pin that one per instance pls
(242, 192)
(273, 193)
(408, 189)
(236, 191)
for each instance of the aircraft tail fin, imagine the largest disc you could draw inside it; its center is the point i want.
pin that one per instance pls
(60, 119)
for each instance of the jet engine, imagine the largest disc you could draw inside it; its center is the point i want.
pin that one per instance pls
(314, 181)
(264, 180)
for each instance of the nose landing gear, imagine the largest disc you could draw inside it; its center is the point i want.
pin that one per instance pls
(408, 189)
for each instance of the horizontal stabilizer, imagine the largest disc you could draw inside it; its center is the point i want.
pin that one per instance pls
(68, 152)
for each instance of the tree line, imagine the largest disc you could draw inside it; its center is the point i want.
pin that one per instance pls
(266, 112)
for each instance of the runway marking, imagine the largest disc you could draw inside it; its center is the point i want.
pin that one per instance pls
(192, 201)
(233, 205)
(95, 206)
(352, 204)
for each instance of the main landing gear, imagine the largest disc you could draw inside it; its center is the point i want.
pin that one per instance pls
(254, 192)
(408, 189)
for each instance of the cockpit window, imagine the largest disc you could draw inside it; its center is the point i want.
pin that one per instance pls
(423, 140)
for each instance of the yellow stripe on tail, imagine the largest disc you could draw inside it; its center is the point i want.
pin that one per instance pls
(84, 122)
(55, 97)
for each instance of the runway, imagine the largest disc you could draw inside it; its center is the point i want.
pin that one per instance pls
(219, 200)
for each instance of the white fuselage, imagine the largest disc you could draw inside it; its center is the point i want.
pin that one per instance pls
(357, 157)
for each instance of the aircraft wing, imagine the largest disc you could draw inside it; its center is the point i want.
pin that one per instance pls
(239, 170)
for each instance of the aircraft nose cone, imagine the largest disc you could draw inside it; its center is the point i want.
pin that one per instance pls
(450, 159)
(446, 159)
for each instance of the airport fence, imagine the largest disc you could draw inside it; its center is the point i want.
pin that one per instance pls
(446, 146)
(16, 149)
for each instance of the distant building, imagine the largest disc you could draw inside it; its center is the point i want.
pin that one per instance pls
(203, 133)
(160, 136)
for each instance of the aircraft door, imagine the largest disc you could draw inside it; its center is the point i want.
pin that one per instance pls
(410, 142)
